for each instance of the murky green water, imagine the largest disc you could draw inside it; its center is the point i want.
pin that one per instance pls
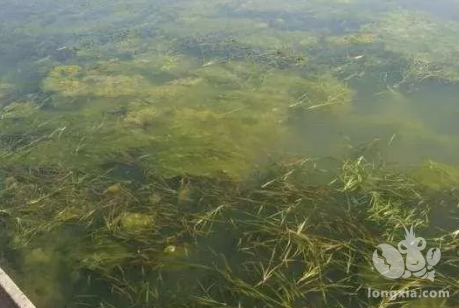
(226, 153)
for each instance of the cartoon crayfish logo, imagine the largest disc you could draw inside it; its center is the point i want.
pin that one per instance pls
(392, 263)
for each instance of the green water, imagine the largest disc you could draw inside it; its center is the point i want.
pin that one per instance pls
(248, 153)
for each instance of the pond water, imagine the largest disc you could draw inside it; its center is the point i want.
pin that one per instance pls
(243, 153)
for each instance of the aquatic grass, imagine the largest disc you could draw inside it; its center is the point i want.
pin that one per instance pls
(406, 33)
(156, 207)
(293, 239)
(288, 246)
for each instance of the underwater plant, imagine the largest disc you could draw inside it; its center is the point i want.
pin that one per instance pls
(423, 40)
(169, 156)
